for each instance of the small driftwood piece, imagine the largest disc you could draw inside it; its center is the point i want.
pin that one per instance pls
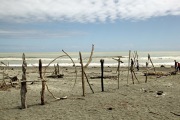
(82, 69)
(23, 84)
(56, 73)
(104, 77)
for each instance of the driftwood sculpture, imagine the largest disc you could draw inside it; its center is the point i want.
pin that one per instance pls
(118, 68)
(132, 71)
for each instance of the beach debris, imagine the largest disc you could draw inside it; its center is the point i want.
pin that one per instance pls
(175, 114)
(162, 66)
(110, 108)
(173, 73)
(105, 77)
(156, 74)
(159, 92)
(56, 76)
(62, 98)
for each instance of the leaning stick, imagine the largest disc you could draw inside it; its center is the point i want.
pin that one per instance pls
(88, 82)
(90, 58)
(74, 67)
(149, 58)
(82, 68)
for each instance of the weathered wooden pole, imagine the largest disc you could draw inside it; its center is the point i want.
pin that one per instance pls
(43, 82)
(102, 75)
(23, 84)
(58, 72)
(146, 72)
(128, 66)
(82, 69)
(119, 62)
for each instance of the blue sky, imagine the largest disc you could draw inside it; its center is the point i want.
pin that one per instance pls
(74, 25)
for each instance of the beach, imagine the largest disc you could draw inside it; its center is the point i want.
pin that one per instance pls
(137, 101)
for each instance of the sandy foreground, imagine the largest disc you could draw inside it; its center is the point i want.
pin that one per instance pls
(137, 101)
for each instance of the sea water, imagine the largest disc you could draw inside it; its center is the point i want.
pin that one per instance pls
(158, 58)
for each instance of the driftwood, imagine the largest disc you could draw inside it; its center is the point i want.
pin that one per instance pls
(90, 58)
(23, 84)
(43, 83)
(73, 66)
(48, 66)
(88, 82)
(156, 74)
(104, 77)
(56, 76)
(132, 71)
(82, 69)
(128, 66)
(118, 68)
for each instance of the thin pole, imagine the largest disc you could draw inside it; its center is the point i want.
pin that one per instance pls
(82, 69)
(128, 66)
(118, 71)
(102, 75)
(43, 82)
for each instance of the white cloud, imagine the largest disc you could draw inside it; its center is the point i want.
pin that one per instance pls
(85, 10)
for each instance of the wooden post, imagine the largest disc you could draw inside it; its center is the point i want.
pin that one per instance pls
(119, 60)
(146, 71)
(82, 69)
(102, 76)
(58, 72)
(23, 84)
(43, 82)
(128, 66)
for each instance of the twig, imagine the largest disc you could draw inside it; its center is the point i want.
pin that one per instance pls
(175, 114)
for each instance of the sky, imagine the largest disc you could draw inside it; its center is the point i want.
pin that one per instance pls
(74, 25)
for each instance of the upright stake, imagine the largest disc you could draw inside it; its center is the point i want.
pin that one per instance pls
(102, 76)
(128, 66)
(82, 69)
(118, 71)
(43, 82)
(58, 69)
(23, 84)
(146, 71)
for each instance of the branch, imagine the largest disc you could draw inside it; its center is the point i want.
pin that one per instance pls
(90, 58)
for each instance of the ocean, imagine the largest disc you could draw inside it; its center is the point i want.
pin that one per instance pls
(159, 58)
